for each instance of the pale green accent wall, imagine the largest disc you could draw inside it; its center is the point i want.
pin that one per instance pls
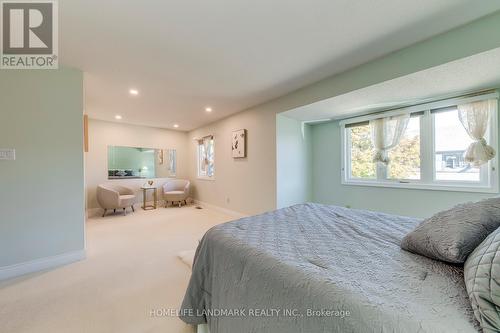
(42, 191)
(294, 162)
(327, 187)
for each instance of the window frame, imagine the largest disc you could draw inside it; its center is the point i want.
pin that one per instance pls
(198, 166)
(427, 181)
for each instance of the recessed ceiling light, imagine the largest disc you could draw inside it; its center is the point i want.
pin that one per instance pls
(208, 109)
(134, 92)
(176, 125)
(118, 117)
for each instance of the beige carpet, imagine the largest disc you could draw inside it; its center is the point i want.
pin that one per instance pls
(131, 268)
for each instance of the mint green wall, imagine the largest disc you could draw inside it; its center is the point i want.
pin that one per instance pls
(475, 37)
(257, 174)
(294, 162)
(327, 187)
(42, 191)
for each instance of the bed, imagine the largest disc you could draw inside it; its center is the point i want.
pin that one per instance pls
(318, 268)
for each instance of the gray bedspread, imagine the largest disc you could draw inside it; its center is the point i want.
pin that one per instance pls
(317, 268)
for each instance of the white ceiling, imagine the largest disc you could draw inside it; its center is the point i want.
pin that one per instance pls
(183, 55)
(471, 74)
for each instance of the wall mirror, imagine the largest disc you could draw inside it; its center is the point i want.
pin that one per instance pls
(139, 163)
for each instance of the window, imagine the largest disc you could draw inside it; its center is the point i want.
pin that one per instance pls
(405, 157)
(430, 149)
(449, 143)
(362, 166)
(206, 161)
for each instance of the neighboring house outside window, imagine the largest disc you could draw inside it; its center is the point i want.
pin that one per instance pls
(428, 147)
(206, 157)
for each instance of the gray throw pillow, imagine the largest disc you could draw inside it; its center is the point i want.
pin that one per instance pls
(482, 279)
(453, 234)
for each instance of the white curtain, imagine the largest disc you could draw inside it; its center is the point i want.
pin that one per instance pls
(475, 117)
(386, 134)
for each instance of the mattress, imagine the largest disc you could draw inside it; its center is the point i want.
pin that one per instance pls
(319, 268)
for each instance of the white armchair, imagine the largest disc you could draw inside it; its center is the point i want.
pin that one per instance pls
(112, 196)
(176, 190)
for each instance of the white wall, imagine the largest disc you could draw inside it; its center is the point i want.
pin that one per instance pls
(41, 192)
(103, 134)
(294, 162)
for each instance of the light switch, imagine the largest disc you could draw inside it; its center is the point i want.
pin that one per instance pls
(7, 154)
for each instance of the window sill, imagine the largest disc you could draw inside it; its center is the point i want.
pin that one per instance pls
(206, 178)
(422, 186)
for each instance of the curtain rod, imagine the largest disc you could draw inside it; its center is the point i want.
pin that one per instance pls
(401, 107)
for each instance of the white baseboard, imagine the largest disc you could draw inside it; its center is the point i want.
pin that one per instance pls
(36, 265)
(220, 209)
